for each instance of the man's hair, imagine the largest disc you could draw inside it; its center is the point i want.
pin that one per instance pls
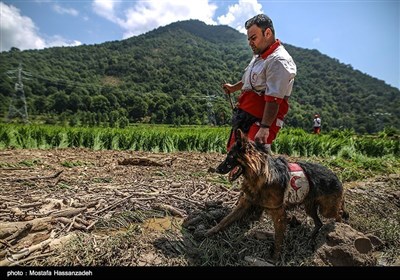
(262, 21)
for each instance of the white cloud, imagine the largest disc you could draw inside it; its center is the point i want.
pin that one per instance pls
(62, 10)
(17, 30)
(239, 13)
(143, 16)
(147, 15)
(21, 32)
(106, 9)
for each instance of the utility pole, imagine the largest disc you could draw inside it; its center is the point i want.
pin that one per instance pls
(18, 106)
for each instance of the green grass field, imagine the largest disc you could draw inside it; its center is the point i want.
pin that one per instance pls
(374, 154)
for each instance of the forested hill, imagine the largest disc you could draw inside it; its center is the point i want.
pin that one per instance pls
(173, 75)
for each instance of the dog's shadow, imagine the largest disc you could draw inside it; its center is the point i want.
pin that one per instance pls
(247, 239)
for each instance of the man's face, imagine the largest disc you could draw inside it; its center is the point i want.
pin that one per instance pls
(257, 39)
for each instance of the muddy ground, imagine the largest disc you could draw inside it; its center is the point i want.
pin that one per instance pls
(79, 207)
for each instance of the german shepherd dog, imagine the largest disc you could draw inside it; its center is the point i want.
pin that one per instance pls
(268, 185)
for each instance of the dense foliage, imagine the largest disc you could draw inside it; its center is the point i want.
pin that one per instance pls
(173, 75)
(162, 138)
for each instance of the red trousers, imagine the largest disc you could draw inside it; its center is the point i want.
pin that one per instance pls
(254, 104)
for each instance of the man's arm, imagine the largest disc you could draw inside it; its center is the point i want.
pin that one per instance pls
(270, 112)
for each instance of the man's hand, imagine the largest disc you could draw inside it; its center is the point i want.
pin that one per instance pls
(262, 135)
(228, 88)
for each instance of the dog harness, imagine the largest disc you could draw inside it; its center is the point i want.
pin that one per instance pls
(298, 186)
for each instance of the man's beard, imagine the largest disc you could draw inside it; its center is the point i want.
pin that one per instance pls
(256, 51)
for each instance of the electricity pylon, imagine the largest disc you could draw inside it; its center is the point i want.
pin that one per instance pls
(18, 106)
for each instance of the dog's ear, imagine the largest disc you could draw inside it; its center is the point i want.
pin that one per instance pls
(240, 137)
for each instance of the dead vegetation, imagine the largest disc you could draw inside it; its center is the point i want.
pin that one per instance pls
(77, 207)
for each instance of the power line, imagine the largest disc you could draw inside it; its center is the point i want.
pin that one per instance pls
(66, 83)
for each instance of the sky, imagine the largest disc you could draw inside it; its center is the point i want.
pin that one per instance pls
(361, 33)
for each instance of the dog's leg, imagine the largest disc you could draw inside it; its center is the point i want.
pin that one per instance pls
(279, 219)
(311, 210)
(238, 212)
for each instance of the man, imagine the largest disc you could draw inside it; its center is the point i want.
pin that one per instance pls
(265, 86)
(317, 124)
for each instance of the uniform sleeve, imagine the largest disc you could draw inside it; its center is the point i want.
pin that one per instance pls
(280, 78)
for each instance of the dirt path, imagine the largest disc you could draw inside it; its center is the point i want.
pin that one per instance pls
(83, 207)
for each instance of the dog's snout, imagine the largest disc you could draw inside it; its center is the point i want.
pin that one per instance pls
(223, 168)
(219, 169)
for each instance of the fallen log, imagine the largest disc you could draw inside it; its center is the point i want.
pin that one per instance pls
(24, 252)
(68, 212)
(170, 209)
(114, 204)
(37, 178)
(19, 232)
(139, 161)
(9, 228)
(24, 255)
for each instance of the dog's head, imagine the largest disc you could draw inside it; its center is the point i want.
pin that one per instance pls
(236, 159)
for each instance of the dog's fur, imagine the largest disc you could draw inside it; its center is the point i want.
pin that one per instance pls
(265, 180)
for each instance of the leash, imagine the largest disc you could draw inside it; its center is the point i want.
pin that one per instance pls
(232, 108)
(230, 101)
(229, 96)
